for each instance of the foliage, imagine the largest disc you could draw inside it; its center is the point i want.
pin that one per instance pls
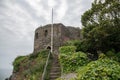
(31, 67)
(43, 53)
(70, 61)
(118, 56)
(71, 43)
(17, 62)
(67, 49)
(101, 26)
(113, 55)
(81, 45)
(102, 69)
(110, 53)
(102, 56)
(84, 46)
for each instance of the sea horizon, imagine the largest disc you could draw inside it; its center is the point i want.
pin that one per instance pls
(5, 73)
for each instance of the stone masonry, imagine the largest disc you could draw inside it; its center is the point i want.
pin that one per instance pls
(61, 34)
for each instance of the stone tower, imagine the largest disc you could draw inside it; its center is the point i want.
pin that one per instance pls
(61, 34)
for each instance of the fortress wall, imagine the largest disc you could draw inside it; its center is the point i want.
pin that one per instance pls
(61, 34)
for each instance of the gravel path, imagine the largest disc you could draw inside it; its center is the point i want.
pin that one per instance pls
(69, 76)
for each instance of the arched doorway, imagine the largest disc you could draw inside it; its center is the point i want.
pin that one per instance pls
(48, 48)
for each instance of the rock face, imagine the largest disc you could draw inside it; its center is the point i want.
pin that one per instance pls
(61, 34)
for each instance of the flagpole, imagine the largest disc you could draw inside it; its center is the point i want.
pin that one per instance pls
(52, 33)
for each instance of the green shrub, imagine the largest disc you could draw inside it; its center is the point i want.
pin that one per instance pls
(112, 55)
(81, 45)
(17, 62)
(69, 43)
(39, 67)
(102, 56)
(67, 49)
(32, 66)
(42, 53)
(102, 69)
(72, 42)
(71, 62)
(118, 56)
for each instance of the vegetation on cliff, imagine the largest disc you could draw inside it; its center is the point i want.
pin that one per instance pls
(107, 67)
(101, 69)
(101, 23)
(31, 67)
(70, 60)
(101, 37)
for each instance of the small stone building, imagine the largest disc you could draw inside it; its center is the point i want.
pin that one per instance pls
(61, 34)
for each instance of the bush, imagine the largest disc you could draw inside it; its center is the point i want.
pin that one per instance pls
(71, 62)
(118, 56)
(67, 49)
(17, 62)
(31, 66)
(72, 42)
(112, 55)
(42, 53)
(81, 45)
(102, 56)
(102, 69)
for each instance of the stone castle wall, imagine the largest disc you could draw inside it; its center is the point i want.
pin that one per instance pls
(61, 34)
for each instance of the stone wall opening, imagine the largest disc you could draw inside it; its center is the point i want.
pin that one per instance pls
(49, 48)
(46, 33)
(36, 35)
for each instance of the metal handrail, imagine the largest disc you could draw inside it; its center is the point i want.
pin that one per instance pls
(43, 75)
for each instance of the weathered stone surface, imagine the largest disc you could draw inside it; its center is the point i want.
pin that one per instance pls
(61, 34)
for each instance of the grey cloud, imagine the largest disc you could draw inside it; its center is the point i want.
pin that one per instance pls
(24, 5)
(15, 37)
(45, 4)
(76, 9)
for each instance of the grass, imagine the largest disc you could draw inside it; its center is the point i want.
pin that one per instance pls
(31, 67)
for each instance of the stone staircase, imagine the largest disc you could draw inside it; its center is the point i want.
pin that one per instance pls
(55, 71)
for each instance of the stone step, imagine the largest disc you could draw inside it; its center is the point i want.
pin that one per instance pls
(53, 77)
(55, 69)
(57, 73)
(55, 64)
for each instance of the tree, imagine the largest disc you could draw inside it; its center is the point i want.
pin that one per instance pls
(102, 26)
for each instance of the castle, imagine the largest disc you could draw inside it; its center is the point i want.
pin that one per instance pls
(61, 34)
(42, 40)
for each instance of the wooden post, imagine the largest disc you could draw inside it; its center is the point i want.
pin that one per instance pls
(52, 33)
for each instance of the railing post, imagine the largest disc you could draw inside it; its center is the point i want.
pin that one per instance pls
(43, 75)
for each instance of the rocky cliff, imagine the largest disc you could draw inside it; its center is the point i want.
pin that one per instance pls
(30, 67)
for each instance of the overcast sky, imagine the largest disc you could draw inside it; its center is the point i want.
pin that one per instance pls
(20, 18)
